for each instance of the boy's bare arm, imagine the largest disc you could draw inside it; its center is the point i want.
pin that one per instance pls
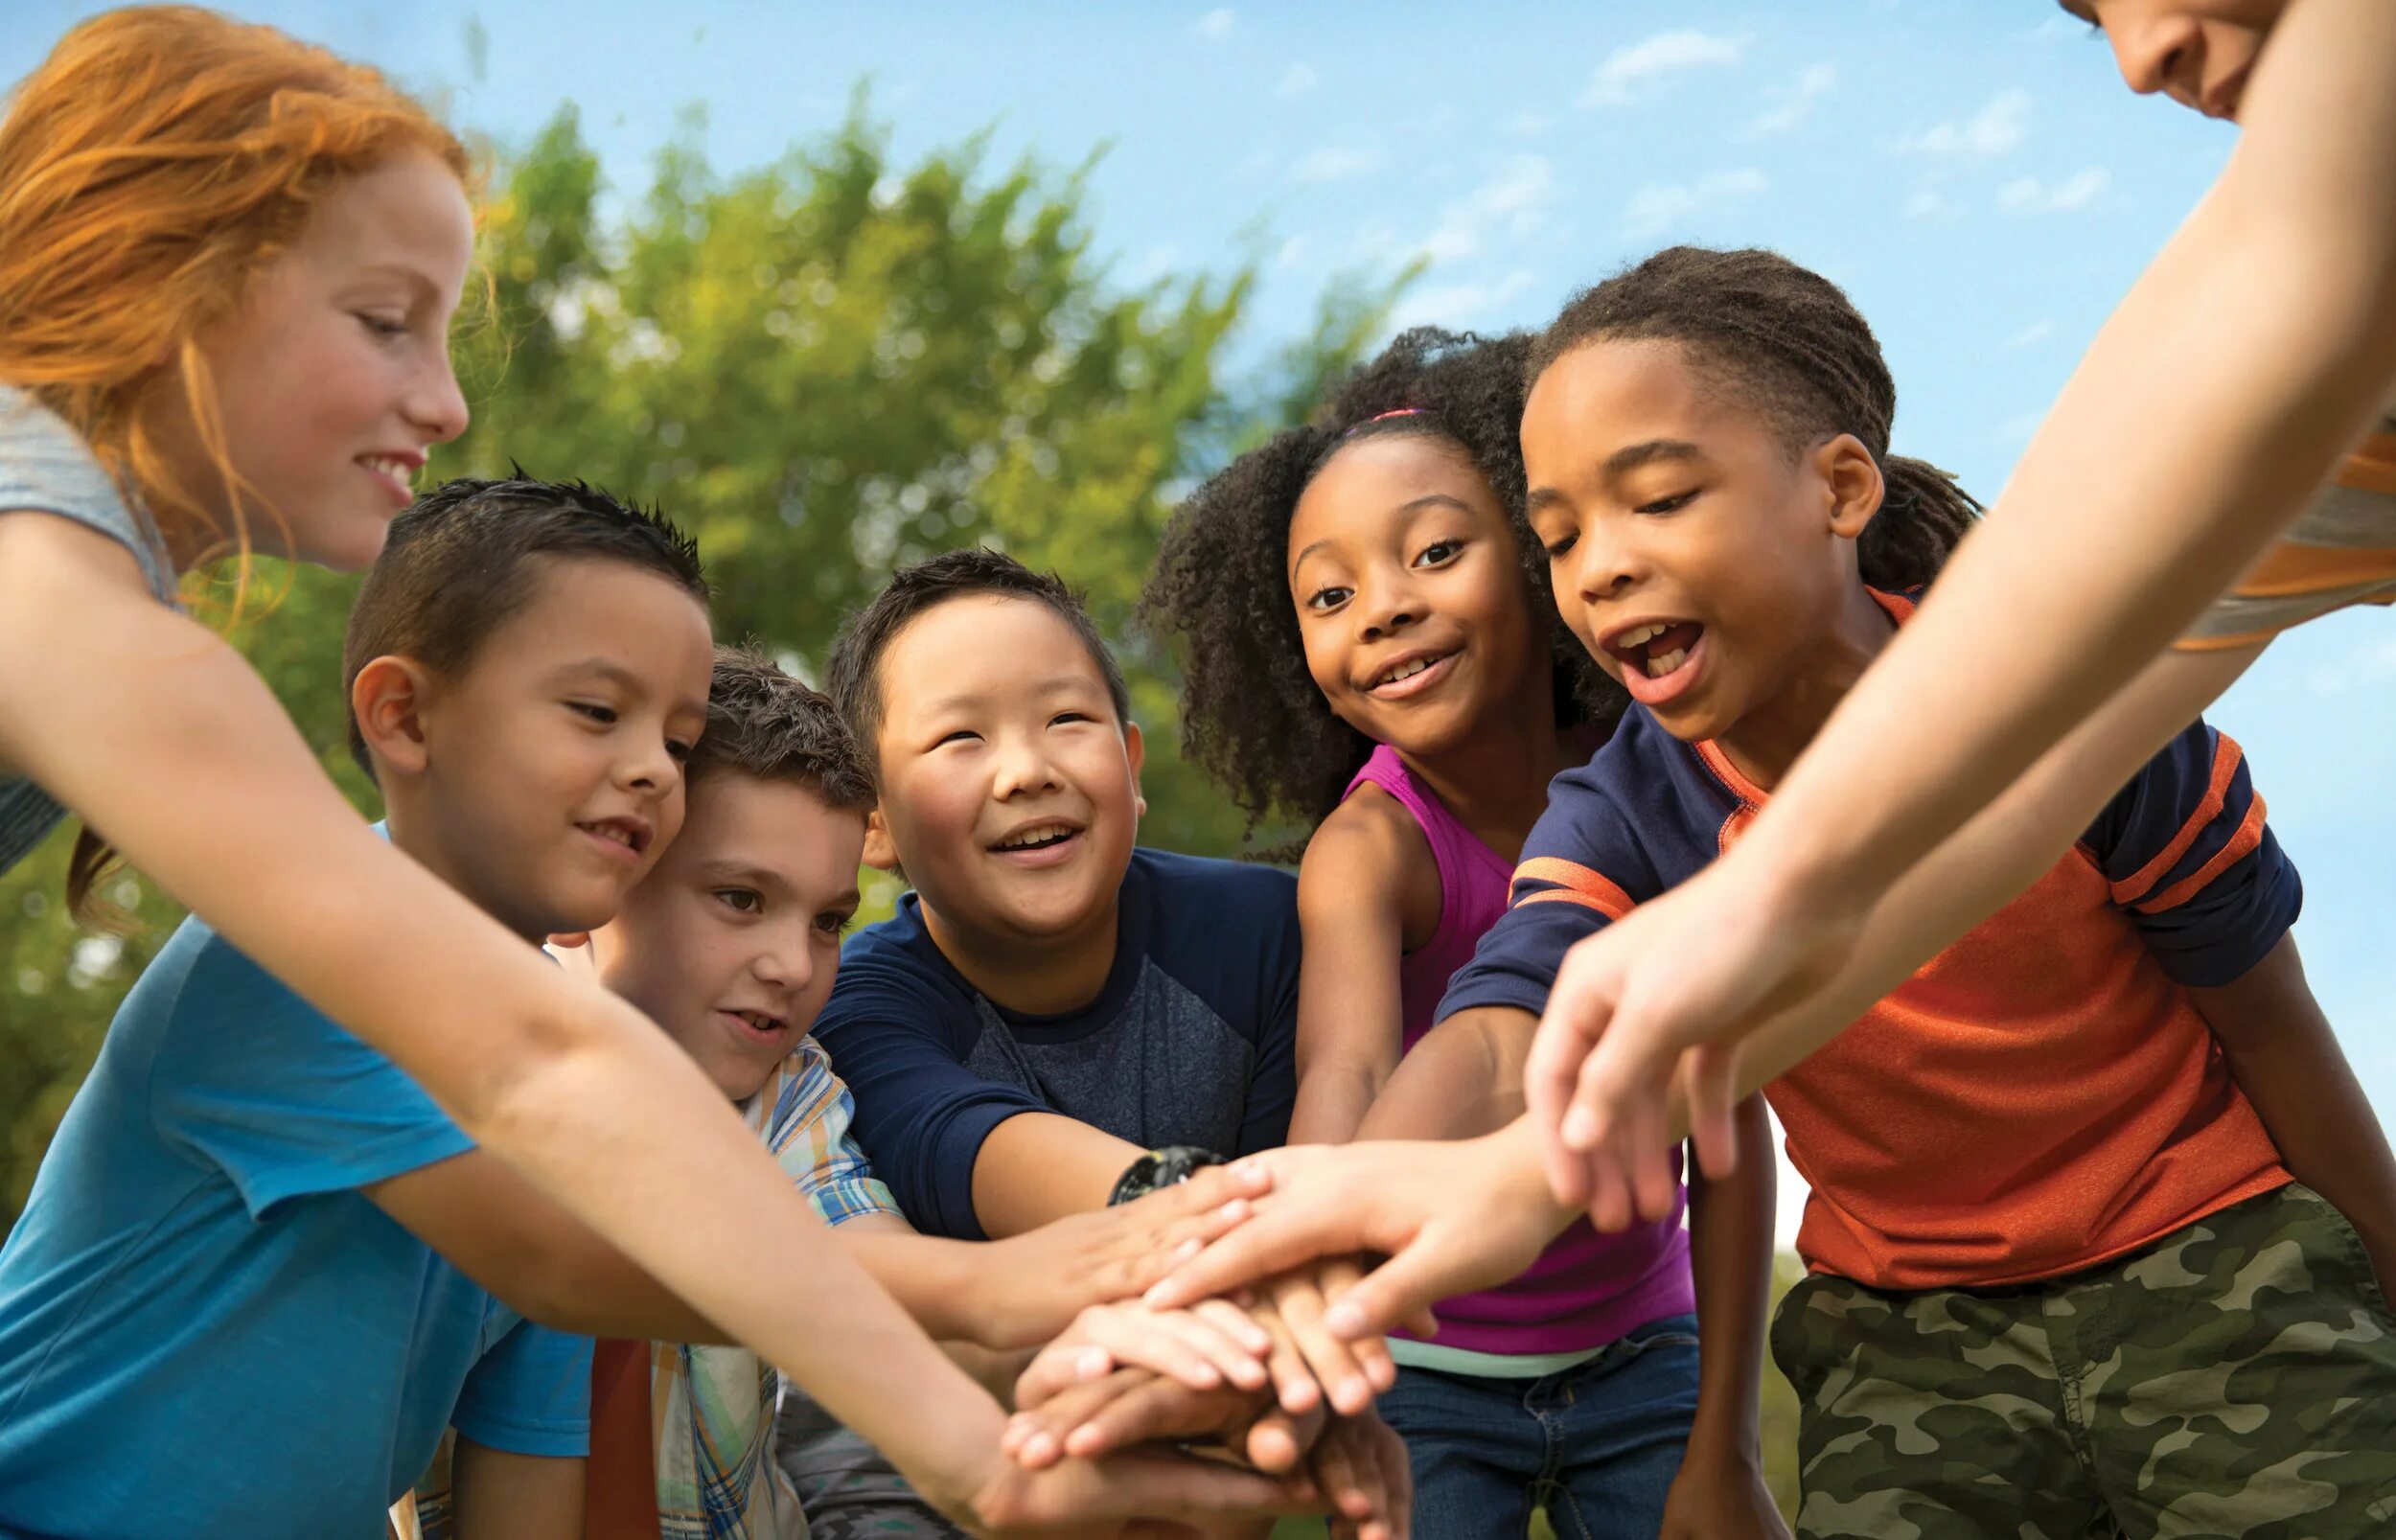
(1350, 1015)
(2287, 1059)
(499, 1495)
(1036, 1168)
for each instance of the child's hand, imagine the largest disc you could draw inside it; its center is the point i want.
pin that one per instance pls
(1721, 1498)
(1451, 1216)
(1361, 1468)
(1658, 999)
(1098, 1498)
(1210, 1344)
(1307, 1361)
(1033, 1285)
(1134, 1405)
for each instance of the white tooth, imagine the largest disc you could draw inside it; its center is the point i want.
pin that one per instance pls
(1658, 667)
(1639, 635)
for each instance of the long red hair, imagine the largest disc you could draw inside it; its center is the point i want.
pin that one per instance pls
(159, 157)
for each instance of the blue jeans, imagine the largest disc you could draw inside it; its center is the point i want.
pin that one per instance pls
(1596, 1446)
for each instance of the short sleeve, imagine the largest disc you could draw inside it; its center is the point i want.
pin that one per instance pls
(1581, 870)
(808, 1129)
(254, 1080)
(2194, 863)
(46, 468)
(530, 1394)
(899, 1036)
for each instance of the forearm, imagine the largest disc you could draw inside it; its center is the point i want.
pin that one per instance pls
(2005, 848)
(1037, 1167)
(1465, 1077)
(2209, 410)
(1333, 1098)
(996, 1369)
(1730, 1256)
(935, 1281)
(2285, 1056)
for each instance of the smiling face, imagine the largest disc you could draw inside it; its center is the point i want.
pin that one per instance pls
(1698, 560)
(545, 778)
(2197, 52)
(1416, 617)
(333, 379)
(732, 941)
(1010, 790)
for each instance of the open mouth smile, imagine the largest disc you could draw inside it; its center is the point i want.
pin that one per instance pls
(1410, 673)
(1659, 659)
(625, 837)
(1041, 843)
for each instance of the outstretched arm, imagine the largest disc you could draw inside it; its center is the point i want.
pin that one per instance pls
(2211, 407)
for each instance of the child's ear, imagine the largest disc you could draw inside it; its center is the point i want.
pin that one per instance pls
(1856, 487)
(880, 852)
(389, 697)
(1136, 752)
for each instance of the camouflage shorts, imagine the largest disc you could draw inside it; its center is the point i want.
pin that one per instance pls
(2238, 1378)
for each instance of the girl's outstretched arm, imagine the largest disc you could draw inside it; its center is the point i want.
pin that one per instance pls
(160, 736)
(2210, 409)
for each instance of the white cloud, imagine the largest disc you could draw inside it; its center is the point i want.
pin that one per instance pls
(1929, 204)
(1659, 206)
(2028, 194)
(1294, 251)
(2030, 337)
(1530, 125)
(1795, 102)
(1215, 25)
(1512, 207)
(2055, 29)
(1151, 265)
(1336, 163)
(1627, 70)
(1465, 304)
(1996, 129)
(1299, 80)
(2372, 663)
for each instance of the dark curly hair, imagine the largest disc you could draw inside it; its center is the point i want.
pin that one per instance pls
(1251, 716)
(1793, 343)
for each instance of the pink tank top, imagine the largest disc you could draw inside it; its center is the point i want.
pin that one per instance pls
(1586, 1290)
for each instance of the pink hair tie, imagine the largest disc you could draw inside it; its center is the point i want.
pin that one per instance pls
(1383, 417)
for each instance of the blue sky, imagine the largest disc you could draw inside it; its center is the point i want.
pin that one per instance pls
(1970, 171)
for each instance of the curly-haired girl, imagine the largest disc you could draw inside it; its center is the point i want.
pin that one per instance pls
(1371, 648)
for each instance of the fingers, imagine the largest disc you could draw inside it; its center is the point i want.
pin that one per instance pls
(1277, 1441)
(1402, 1290)
(1035, 1437)
(1335, 1278)
(1294, 1386)
(1710, 1083)
(1332, 1361)
(1608, 1183)
(1058, 1367)
(1549, 1074)
(1152, 1484)
(1294, 1229)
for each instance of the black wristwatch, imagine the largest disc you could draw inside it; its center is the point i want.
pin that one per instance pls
(1168, 1167)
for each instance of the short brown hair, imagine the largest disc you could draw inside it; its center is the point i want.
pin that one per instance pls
(462, 560)
(764, 723)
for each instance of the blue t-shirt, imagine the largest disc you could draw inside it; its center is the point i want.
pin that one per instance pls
(205, 1329)
(45, 467)
(1193, 1040)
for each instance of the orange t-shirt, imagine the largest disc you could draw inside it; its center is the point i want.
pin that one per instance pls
(2039, 1098)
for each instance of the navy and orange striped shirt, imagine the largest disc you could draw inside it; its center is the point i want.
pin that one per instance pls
(2043, 1096)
